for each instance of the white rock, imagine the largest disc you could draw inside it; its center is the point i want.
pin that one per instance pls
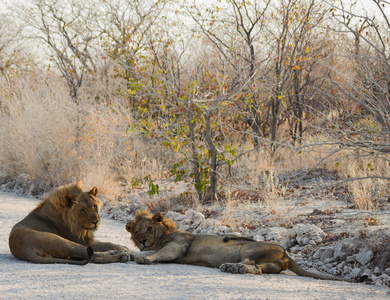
(351, 259)
(328, 254)
(262, 231)
(342, 250)
(367, 272)
(341, 265)
(385, 277)
(355, 273)
(259, 238)
(286, 243)
(229, 230)
(364, 256)
(308, 232)
(333, 271)
(276, 234)
(208, 223)
(319, 252)
(295, 249)
(184, 227)
(291, 233)
(179, 218)
(174, 216)
(222, 228)
(347, 269)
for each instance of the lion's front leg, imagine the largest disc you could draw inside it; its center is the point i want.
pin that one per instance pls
(111, 256)
(168, 253)
(135, 254)
(106, 246)
(106, 252)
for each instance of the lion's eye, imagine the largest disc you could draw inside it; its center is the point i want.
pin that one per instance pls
(83, 211)
(149, 228)
(94, 206)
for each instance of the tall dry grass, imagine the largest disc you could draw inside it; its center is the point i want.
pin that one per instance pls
(53, 141)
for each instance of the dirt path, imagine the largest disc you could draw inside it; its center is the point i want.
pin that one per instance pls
(22, 280)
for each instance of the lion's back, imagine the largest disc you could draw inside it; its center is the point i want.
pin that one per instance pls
(38, 220)
(211, 251)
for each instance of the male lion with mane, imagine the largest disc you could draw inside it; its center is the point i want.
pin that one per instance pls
(233, 254)
(61, 230)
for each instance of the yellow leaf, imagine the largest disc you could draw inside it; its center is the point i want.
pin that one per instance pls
(280, 97)
(307, 50)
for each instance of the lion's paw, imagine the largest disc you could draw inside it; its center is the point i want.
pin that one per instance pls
(125, 257)
(142, 260)
(233, 268)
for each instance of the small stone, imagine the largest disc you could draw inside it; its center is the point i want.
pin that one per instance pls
(328, 253)
(276, 234)
(295, 250)
(342, 250)
(342, 265)
(355, 273)
(179, 218)
(364, 256)
(347, 269)
(286, 243)
(385, 277)
(308, 232)
(351, 259)
(329, 260)
(259, 238)
(222, 228)
(184, 227)
(319, 252)
(367, 272)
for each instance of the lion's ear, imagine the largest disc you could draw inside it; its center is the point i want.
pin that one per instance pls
(68, 199)
(94, 191)
(130, 226)
(157, 218)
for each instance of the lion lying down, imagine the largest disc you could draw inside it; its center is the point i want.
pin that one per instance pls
(230, 253)
(61, 230)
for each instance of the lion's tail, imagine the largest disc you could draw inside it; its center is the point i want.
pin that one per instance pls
(293, 266)
(49, 260)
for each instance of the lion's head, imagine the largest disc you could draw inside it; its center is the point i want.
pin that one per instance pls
(148, 231)
(79, 210)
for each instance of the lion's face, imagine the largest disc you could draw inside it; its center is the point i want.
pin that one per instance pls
(83, 212)
(147, 231)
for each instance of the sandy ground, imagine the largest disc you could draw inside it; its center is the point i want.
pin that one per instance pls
(23, 280)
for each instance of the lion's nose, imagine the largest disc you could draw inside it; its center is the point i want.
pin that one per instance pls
(95, 223)
(143, 242)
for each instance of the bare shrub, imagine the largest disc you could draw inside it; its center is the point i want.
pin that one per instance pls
(36, 129)
(46, 135)
(366, 192)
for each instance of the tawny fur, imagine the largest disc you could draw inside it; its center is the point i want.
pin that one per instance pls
(229, 253)
(61, 230)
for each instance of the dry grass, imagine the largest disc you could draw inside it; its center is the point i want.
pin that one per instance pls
(45, 135)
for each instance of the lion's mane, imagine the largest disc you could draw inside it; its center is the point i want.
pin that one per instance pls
(56, 205)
